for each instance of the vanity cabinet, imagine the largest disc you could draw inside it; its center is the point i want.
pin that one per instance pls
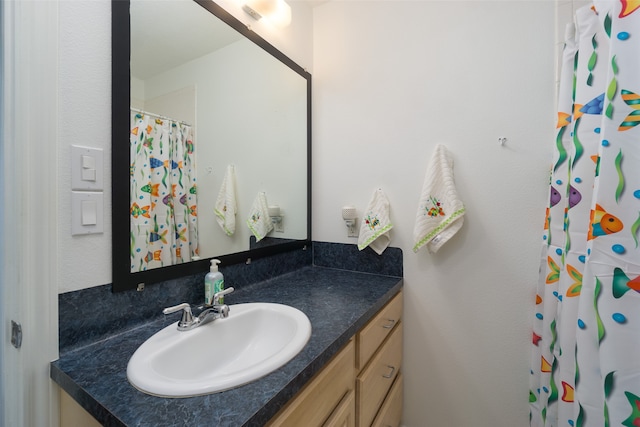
(327, 400)
(361, 386)
(379, 360)
(74, 415)
(391, 410)
(345, 414)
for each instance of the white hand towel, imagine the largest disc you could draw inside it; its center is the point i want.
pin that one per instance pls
(375, 226)
(440, 212)
(259, 221)
(226, 206)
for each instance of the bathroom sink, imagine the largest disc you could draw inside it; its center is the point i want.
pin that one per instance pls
(256, 339)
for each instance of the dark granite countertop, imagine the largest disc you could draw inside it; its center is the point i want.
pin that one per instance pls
(338, 303)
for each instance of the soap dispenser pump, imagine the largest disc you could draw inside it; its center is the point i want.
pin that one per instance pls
(213, 283)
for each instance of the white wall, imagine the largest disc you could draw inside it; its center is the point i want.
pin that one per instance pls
(391, 80)
(84, 118)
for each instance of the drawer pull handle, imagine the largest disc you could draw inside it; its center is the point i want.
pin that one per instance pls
(390, 324)
(392, 369)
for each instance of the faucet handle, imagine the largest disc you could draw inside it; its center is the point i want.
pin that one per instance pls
(187, 316)
(184, 306)
(218, 295)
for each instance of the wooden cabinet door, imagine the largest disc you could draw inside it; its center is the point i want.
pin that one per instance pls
(391, 411)
(319, 399)
(375, 332)
(374, 382)
(345, 413)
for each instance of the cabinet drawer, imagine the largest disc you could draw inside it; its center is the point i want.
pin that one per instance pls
(317, 401)
(374, 382)
(391, 412)
(372, 335)
(345, 414)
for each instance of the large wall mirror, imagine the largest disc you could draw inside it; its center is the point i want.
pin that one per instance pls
(208, 119)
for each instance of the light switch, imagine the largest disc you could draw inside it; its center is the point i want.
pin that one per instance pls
(87, 212)
(88, 162)
(86, 168)
(88, 174)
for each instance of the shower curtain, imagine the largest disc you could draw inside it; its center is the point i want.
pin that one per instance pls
(585, 368)
(164, 221)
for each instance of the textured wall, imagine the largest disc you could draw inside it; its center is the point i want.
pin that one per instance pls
(393, 79)
(84, 118)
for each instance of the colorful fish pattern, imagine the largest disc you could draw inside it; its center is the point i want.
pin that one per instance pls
(595, 106)
(137, 211)
(555, 197)
(632, 100)
(564, 119)
(628, 7)
(586, 324)
(602, 223)
(163, 185)
(622, 283)
(154, 237)
(574, 196)
(155, 163)
(153, 256)
(567, 392)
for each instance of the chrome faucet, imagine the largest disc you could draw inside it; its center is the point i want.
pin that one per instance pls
(189, 322)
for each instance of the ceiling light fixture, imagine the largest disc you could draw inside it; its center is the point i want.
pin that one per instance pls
(278, 12)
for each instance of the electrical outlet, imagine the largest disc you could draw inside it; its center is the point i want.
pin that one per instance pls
(352, 231)
(279, 226)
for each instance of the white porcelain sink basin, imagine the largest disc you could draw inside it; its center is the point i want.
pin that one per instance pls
(256, 339)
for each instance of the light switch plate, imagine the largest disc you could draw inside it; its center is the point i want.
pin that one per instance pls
(87, 212)
(87, 168)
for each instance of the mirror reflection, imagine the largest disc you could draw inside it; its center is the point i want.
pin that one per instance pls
(218, 141)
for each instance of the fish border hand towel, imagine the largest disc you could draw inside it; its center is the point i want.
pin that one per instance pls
(375, 226)
(226, 206)
(259, 221)
(440, 212)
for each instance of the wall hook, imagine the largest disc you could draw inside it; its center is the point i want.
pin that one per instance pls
(502, 140)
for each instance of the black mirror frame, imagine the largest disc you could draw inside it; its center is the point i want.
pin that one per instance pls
(122, 278)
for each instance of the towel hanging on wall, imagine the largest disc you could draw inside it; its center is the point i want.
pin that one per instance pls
(226, 206)
(375, 226)
(259, 221)
(440, 212)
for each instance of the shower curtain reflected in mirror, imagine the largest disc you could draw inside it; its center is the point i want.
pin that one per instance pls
(164, 220)
(585, 368)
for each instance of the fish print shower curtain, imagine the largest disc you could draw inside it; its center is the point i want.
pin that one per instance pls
(585, 368)
(164, 221)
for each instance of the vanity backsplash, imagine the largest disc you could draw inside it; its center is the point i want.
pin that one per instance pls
(88, 315)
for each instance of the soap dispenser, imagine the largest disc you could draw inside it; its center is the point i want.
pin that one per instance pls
(213, 283)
